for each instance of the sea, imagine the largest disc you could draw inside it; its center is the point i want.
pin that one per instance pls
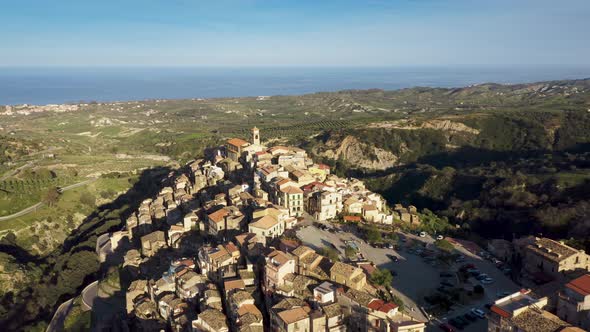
(57, 85)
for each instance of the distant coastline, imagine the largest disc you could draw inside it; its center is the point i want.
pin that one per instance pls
(59, 85)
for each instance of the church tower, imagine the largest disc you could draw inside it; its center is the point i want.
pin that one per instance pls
(255, 136)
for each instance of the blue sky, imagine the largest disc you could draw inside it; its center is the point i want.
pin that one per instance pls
(294, 33)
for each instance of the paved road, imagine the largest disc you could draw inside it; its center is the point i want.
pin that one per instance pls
(15, 171)
(89, 295)
(23, 212)
(76, 185)
(57, 322)
(37, 205)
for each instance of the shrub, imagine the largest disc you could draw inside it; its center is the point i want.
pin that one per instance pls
(87, 199)
(382, 277)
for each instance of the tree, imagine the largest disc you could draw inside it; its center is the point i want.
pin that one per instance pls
(349, 252)
(373, 235)
(382, 277)
(397, 300)
(331, 253)
(393, 237)
(51, 196)
(444, 245)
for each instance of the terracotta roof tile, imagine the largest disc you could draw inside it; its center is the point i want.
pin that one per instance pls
(218, 215)
(500, 311)
(237, 142)
(234, 284)
(352, 218)
(231, 247)
(580, 285)
(293, 315)
(265, 222)
(249, 308)
(292, 190)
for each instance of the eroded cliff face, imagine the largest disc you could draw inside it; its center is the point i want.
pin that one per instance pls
(439, 124)
(357, 153)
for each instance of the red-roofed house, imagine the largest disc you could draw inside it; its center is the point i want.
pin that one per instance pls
(234, 148)
(379, 307)
(573, 303)
(226, 218)
(352, 218)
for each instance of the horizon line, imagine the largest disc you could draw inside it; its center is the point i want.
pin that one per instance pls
(291, 66)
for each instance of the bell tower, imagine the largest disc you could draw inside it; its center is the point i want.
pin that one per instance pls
(255, 136)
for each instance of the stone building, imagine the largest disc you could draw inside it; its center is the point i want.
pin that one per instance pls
(553, 258)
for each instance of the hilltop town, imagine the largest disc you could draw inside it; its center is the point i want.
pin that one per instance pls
(257, 238)
(250, 272)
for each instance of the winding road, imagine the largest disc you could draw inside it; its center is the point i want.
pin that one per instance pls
(88, 296)
(37, 205)
(57, 322)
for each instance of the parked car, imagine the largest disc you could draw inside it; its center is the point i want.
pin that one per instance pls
(392, 257)
(463, 320)
(439, 237)
(442, 289)
(422, 234)
(446, 283)
(473, 272)
(482, 276)
(390, 246)
(456, 323)
(393, 273)
(478, 312)
(487, 281)
(446, 327)
(470, 316)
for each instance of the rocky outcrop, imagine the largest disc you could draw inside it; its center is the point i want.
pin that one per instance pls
(439, 124)
(356, 153)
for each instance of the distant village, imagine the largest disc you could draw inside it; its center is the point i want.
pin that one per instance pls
(249, 272)
(26, 109)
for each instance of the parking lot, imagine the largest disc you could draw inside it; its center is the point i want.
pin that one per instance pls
(416, 276)
(409, 284)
